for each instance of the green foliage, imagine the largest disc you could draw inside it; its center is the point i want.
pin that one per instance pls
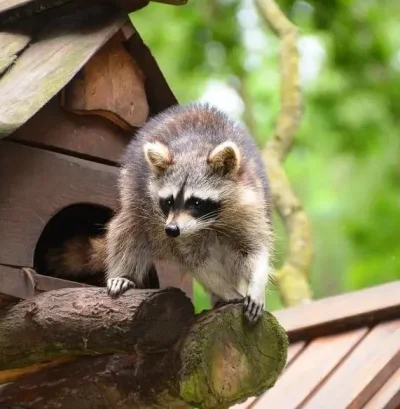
(345, 164)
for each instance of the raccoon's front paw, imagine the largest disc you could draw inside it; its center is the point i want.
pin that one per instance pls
(118, 285)
(253, 309)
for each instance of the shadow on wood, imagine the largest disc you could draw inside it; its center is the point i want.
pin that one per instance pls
(78, 348)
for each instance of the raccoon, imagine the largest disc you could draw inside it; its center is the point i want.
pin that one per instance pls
(193, 195)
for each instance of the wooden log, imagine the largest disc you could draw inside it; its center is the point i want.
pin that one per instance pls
(86, 321)
(109, 85)
(166, 357)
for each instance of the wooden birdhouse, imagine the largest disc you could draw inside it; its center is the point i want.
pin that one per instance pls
(76, 82)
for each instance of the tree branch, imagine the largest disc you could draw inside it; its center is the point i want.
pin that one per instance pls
(79, 349)
(292, 278)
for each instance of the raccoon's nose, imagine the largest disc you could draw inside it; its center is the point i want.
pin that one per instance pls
(172, 230)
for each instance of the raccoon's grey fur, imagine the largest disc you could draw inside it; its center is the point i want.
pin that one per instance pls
(194, 195)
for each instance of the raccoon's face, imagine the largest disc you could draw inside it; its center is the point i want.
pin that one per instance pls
(191, 191)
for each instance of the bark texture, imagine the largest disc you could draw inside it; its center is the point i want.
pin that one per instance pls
(79, 349)
(293, 277)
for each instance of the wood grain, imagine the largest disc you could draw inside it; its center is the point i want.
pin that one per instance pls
(12, 42)
(293, 351)
(311, 368)
(10, 4)
(342, 312)
(388, 397)
(17, 283)
(110, 85)
(36, 184)
(364, 372)
(159, 94)
(61, 49)
(14, 10)
(90, 137)
(142, 350)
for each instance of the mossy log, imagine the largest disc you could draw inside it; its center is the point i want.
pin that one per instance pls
(80, 349)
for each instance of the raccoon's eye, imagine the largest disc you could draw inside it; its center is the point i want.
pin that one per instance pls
(198, 202)
(166, 204)
(201, 207)
(195, 202)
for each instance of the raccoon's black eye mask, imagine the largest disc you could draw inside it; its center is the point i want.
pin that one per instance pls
(195, 206)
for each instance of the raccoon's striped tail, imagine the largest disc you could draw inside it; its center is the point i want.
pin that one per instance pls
(77, 258)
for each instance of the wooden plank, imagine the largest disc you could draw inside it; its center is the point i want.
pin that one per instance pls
(364, 372)
(37, 184)
(61, 49)
(86, 136)
(388, 397)
(310, 370)
(10, 4)
(17, 283)
(12, 42)
(293, 351)
(110, 85)
(159, 94)
(13, 10)
(342, 312)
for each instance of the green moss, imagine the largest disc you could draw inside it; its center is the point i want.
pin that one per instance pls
(226, 361)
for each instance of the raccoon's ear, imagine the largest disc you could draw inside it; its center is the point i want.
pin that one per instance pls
(225, 158)
(158, 156)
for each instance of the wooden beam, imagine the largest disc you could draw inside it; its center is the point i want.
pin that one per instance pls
(25, 283)
(63, 46)
(12, 42)
(342, 312)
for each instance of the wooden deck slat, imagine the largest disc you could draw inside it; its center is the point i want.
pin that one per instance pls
(388, 397)
(342, 312)
(309, 370)
(363, 373)
(60, 50)
(293, 351)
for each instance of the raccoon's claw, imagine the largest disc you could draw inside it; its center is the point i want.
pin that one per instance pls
(118, 285)
(252, 310)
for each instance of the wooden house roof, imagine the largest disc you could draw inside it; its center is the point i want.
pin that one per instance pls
(44, 43)
(344, 353)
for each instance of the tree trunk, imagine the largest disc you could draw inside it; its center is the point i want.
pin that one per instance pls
(79, 349)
